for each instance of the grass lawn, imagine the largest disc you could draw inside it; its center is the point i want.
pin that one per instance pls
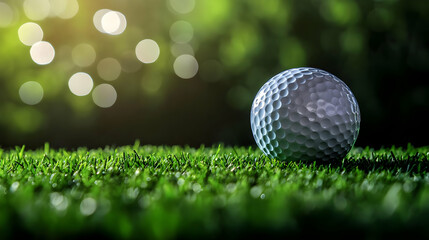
(181, 192)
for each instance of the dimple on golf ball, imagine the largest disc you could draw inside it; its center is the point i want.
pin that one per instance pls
(305, 114)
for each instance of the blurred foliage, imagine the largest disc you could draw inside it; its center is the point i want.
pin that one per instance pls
(377, 47)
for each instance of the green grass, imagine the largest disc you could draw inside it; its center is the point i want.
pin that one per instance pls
(182, 192)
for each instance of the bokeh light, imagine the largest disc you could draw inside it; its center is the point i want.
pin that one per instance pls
(181, 32)
(64, 9)
(97, 19)
(42, 53)
(182, 6)
(113, 23)
(227, 55)
(104, 95)
(30, 33)
(109, 69)
(110, 22)
(83, 55)
(31, 93)
(122, 25)
(80, 84)
(185, 66)
(147, 51)
(37, 10)
(6, 15)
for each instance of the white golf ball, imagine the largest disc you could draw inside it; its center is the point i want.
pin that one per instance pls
(305, 114)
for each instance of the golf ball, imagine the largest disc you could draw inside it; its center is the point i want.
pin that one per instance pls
(305, 114)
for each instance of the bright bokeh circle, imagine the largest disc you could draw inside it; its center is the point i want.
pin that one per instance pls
(42, 53)
(80, 84)
(147, 51)
(31, 93)
(104, 95)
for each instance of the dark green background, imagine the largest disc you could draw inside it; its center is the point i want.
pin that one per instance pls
(377, 47)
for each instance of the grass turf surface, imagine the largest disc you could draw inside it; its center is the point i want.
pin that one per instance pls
(182, 192)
